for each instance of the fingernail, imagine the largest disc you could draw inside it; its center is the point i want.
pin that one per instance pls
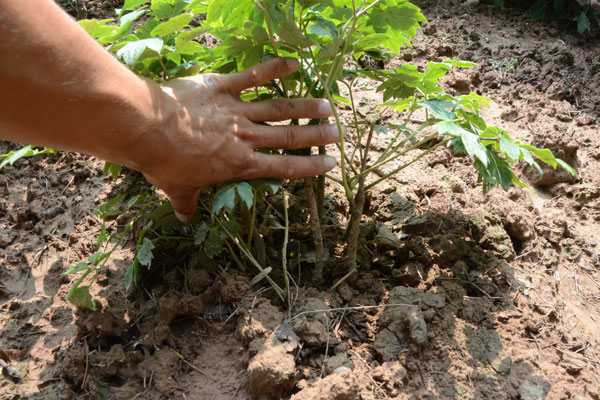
(292, 63)
(325, 108)
(329, 162)
(183, 218)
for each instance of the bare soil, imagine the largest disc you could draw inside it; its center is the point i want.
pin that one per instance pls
(459, 294)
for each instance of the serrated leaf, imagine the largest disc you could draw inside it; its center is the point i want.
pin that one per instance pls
(225, 198)
(133, 275)
(289, 32)
(163, 218)
(26, 151)
(133, 201)
(273, 185)
(509, 148)
(470, 141)
(246, 194)
(399, 21)
(95, 258)
(127, 19)
(201, 233)
(172, 25)
(113, 169)
(460, 63)
(567, 167)
(161, 9)
(132, 4)
(500, 170)
(144, 253)
(132, 51)
(583, 22)
(80, 296)
(213, 245)
(102, 236)
(544, 155)
(82, 266)
(97, 28)
(440, 108)
(528, 158)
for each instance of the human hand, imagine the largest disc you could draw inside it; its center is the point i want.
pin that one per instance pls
(209, 135)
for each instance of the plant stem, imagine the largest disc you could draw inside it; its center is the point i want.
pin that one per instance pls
(395, 156)
(286, 232)
(400, 168)
(315, 226)
(321, 190)
(357, 210)
(244, 251)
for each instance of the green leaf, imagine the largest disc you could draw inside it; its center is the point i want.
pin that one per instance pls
(246, 194)
(469, 139)
(80, 296)
(400, 21)
(132, 51)
(544, 155)
(201, 233)
(225, 198)
(509, 148)
(134, 200)
(108, 208)
(583, 22)
(127, 19)
(82, 266)
(161, 9)
(95, 258)
(144, 253)
(172, 25)
(567, 167)
(132, 4)
(439, 108)
(528, 158)
(163, 218)
(213, 245)
(133, 275)
(97, 28)
(27, 151)
(289, 32)
(538, 9)
(102, 236)
(460, 63)
(500, 170)
(272, 185)
(113, 169)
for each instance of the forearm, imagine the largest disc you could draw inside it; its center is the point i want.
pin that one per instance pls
(61, 89)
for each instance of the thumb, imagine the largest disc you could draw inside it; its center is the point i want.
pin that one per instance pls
(184, 202)
(184, 199)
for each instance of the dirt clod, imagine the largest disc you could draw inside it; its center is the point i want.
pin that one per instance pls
(342, 385)
(271, 372)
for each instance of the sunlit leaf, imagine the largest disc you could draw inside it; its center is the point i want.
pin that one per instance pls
(82, 266)
(80, 296)
(225, 198)
(144, 253)
(246, 194)
(172, 25)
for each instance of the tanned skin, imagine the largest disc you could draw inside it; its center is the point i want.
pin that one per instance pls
(60, 89)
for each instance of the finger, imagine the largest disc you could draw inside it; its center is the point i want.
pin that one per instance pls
(290, 167)
(294, 136)
(184, 202)
(284, 109)
(259, 74)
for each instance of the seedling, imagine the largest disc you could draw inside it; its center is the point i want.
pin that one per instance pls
(323, 35)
